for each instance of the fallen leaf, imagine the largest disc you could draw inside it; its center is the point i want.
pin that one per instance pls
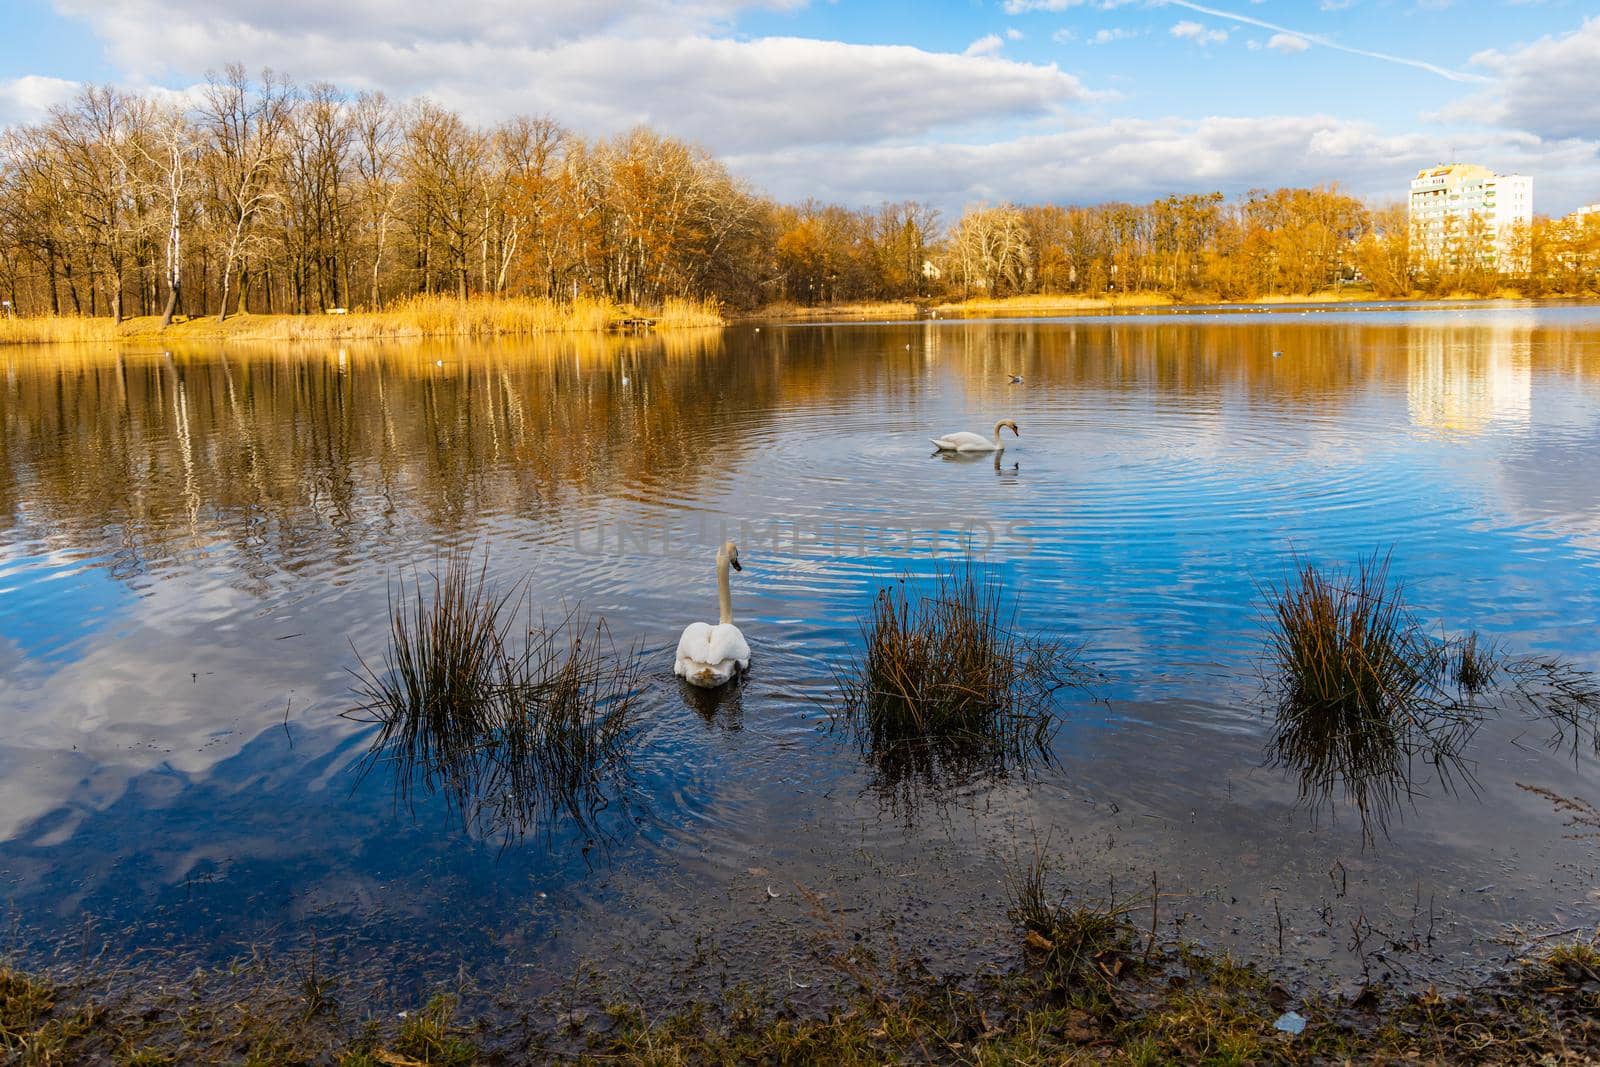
(1038, 941)
(394, 1059)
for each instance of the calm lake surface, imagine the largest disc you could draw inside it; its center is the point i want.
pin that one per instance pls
(195, 547)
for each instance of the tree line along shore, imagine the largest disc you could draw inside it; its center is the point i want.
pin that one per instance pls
(255, 195)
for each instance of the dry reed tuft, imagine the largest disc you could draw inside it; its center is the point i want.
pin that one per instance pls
(1361, 691)
(514, 731)
(947, 687)
(1077, 944)
(1357, 689)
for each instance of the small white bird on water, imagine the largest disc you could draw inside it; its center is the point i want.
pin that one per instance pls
(967, 441)
(1016, 379)
(708, 656)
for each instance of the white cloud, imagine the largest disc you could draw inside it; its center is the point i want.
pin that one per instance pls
(598, 67)
(1014, 34)
(987, 45)
(1288, 43)
(28, 98)
(1550, 87)
(1018, 7)
(1064, 36)
(1115, 34)
(1188, 30)
(1137, 159)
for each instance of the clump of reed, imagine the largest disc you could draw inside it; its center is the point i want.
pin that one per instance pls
(947, 686)
(1357, 691)
(514, 722)
(1077, 944)
(1361, 691)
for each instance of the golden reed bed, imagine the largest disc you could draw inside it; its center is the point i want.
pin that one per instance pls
(421, 316)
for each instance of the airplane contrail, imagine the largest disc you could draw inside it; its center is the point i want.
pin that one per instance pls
(1328, 42)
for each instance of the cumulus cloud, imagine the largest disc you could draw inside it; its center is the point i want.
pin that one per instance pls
(1188, 30)
(28, 98)
(1288, 43)
(599, 67)
(987, 45)
(1550, 86)
(1137, 159)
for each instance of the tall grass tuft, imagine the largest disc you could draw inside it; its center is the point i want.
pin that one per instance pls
(947, 686)
(1077, 944)
(1362, 691)
(516, 724)
(1358, 694)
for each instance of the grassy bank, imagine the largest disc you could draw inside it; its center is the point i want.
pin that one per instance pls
(434, 316)
(1087, 985)
(1063, 304)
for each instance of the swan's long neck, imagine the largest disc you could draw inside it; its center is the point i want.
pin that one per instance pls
(724, 600)
(997, 428)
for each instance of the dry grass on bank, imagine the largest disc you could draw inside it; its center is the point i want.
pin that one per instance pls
(866, 309)
(422, 316)
(57, 330)
(1045, 303)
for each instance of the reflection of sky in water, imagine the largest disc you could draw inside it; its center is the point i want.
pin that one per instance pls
(53, 604)
(190, 547)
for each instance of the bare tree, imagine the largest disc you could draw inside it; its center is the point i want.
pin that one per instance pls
(245, 125)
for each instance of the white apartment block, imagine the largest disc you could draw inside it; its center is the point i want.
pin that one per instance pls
(1455, 203)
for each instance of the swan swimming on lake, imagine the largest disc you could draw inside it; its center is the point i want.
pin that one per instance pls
(967, 441)
(710, 655)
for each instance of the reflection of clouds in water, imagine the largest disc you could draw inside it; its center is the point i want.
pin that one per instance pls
(193, 675)
(1165, 467)
(1464, 379)
(1548, 481)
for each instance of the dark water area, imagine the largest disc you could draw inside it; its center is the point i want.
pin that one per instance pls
(195, 547)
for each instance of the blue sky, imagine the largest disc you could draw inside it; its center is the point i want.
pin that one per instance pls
(957, 102)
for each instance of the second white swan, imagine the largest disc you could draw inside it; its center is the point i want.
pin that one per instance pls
(709, 656)
(967, 441)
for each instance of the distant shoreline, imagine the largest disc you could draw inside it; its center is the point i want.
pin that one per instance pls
(1044, 305)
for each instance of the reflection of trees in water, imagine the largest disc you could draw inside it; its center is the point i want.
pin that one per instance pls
(1326, 362)
(302, 456)
(296, 457)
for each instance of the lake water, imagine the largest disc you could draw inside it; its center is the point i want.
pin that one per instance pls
(195, 547)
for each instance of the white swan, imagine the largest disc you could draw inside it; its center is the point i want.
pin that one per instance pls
(710, 655)
(967, 441)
